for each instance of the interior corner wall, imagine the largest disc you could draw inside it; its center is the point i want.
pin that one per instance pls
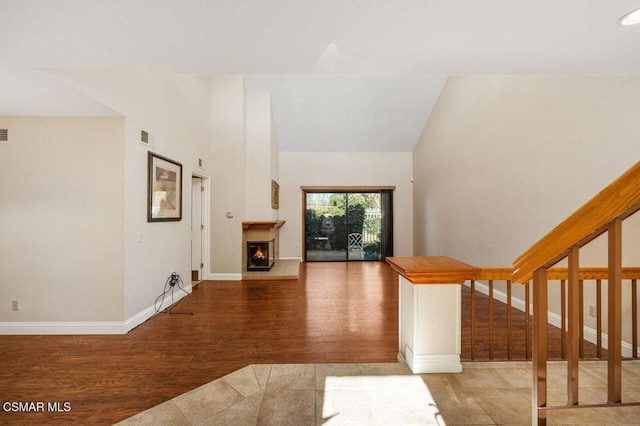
(228, 209)
(175, 110)
(62, 221)
(275, 158)
(504, 159)
(298, 169)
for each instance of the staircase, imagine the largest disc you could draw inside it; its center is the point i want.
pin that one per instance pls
(534, 277)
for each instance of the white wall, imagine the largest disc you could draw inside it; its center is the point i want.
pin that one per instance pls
(62, 219)
(504, 159)
(175, 110)
(228, 175)
(344, 169)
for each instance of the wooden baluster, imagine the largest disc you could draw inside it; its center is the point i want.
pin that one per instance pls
(634, 317)
(581, 317)
(573, 350)
(540, 302)
(527, 323)
(563, 319)
(509, 319)
(614, 331)
(473, 320)
(491, 320)
(599, 319)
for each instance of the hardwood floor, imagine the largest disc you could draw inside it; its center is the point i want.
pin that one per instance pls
(335, 312)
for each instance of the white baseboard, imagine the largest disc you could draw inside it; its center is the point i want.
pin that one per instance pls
(224, 277)
(291, 258)
(62, 327)
(87, 327)
(590, 335)
(423, 364)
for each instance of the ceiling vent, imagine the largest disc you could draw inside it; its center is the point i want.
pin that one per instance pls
(4, 135)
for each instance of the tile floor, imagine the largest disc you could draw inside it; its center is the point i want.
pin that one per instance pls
(388, 394)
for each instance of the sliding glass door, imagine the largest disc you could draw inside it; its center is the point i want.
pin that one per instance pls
(343, 226)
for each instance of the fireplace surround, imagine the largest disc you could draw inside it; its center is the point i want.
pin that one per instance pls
(266, 233)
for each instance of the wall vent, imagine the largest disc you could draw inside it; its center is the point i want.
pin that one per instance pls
(4, 135)
(200, 163)
(144, 136)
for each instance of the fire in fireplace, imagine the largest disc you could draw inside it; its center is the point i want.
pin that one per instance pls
(260, 255)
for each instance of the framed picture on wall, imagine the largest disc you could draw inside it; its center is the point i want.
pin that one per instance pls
(164, 191)
(275, 195)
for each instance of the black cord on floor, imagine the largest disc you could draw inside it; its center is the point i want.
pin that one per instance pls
(169, 286)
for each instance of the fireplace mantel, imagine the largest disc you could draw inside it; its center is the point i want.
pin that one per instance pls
(265, 224)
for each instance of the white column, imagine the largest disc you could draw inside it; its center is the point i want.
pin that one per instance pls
(430, 327)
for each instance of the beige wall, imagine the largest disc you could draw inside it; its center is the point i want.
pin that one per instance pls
(344, 169)
(504, 159)
(62, 220)
(174, 109)
(227, 189)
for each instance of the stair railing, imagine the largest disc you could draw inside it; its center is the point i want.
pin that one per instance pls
(603, 213)
(498, 325)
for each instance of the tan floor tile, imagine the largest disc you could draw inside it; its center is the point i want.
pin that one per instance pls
(262, 372)
(289, 407)
(243, 413)
(334, 394)
(291, 376)
(204, 402)
(380, 407)
(521, 377)
(244, 381)
(386, 369)
(437, 380)
(580, 416)
(482, 378)
(163, 414)
(505, 407)
(620, 415)
(456, 407)
(335, 370)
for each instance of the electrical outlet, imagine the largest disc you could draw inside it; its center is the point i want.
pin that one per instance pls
(592, 311)
(14, 305)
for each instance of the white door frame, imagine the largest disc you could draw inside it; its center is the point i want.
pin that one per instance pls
(206, 221)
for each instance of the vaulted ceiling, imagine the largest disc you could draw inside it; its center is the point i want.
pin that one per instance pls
(345, 75)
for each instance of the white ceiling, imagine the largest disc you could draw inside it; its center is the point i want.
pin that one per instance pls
(344, 74)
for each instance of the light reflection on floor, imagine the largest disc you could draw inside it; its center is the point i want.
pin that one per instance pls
(378, 400)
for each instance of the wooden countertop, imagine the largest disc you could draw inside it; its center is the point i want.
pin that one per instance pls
(433, 269)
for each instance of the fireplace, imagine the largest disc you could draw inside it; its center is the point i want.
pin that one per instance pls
(260, 255)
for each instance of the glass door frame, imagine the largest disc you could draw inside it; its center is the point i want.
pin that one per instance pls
(332, 190)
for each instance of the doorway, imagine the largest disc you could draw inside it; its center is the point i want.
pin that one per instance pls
(197, 229)
(345, 225)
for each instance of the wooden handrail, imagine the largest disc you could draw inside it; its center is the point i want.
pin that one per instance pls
(617, 201)
(504, 274)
